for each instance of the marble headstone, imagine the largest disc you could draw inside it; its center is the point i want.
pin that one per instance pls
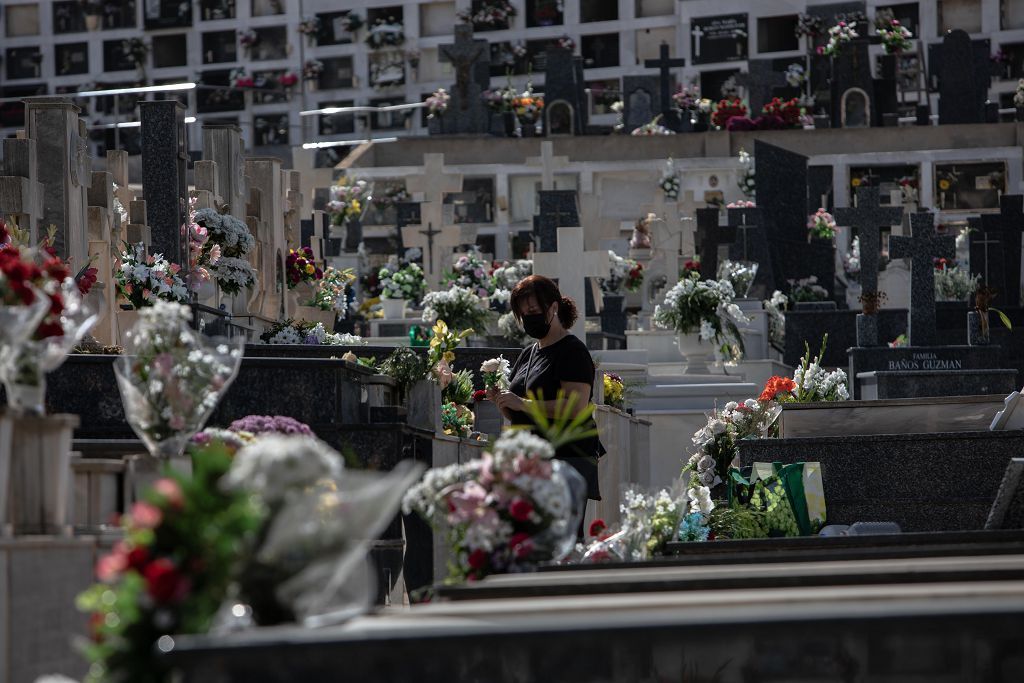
(641, 100)
(563, 82)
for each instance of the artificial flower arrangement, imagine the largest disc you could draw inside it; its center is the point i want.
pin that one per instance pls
(635, 276)
(233, 242)
(143, 279)
(618, 273)
(406, 282)
(509, 327)
(441, 352)
(202, 252)
(263, 532)
(899, 342)
(822, 225)
(807, 289)
(790, 111)
(775, 307)
(505, 512)
(528, 106)
(470, 271)
(495, 373)
(614, 390)
(351, 22)
(240, 78)
(457, 419)
(953, 282)
(795, 75)
(248, 38)
(331, 292)
(309, 26)
(651, 128)
(641, 238)
(393, 194)
(489, 14)
(437, 103)
(809, 25)
(701, 306)
(312, 69)
(385, 33)
(501, 99)
(739, 274)
(669, 181)
(304, 332)
(686, 98)
(566, 42)
(300, 267)
(838, 36)
(728, 108)
(507, 275)
(172, 376)
(851, 261)
(746, 181)
(1018, 94)
(346, 201)
(459, 306)
(895, 36)
(691, 268)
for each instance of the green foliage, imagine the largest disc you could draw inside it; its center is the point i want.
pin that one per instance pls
(460, 389)
(406, 367)
(738, 521)
(568, 423)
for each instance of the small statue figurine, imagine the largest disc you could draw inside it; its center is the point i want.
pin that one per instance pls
(642, 232)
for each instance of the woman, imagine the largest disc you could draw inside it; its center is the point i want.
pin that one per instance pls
(557, 361)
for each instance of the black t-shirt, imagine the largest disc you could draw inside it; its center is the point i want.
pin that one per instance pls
(543, 370)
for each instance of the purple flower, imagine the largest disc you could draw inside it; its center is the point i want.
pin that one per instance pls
(270, 424)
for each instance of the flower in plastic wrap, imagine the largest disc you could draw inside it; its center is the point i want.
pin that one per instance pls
(495, 372)
(171, 377)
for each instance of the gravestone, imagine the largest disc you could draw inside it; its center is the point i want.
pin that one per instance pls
(869, 217)
(641, 100)
(571, 265)
(21, 193)
(751, 246)
(664, 64)
(64, 170)
(466, 112)
(671, 239)
(963, 70)
(852, 86)
(223, 144)
(764, 81)
(549, 163)
(164, 184)
(1000, 265)
(433, 184)
(557, 210)
(922, 246)
(709, 235)
(563, 82)
(718, 39)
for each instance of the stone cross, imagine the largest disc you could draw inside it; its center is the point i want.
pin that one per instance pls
(463, 54)
(437, 246)
(137, 230)
(760, 80)
(165, 154)
(291, 182)
(117, 166)
(664, 64)
(1007, 225)
(206, 184)
(222, 144)
(923, 245)
(570, 265)
(670, 237)
(697, 32)
(64, 170)
(745, 220)
(869, 217)
(21, 193)
(433, 184)
(709, 235)
(548, 163)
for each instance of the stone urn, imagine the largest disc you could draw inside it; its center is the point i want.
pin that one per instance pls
(696, 353)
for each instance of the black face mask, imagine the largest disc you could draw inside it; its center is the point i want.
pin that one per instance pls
(536, 325)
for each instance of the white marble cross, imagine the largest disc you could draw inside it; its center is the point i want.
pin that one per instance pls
(548, 163)
(672, 236)
(433, 185)
(312, 178)
(571, 265)
(437, 246)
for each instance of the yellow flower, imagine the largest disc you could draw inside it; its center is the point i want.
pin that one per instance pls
(855, 182)
(943, 184)
(355, 206)
(310, 268)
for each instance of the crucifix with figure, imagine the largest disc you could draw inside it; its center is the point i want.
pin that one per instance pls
(665, 64)
(1001, 269)
(549, 163)
(922, 247)
(869, 217)
(434, 184)
(463, 54)
(571, 265)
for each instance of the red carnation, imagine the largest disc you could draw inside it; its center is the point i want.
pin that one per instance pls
(596, 527)
(520, 509)
(479, 395)
(477, 559)
(164, 582)
(137, 558)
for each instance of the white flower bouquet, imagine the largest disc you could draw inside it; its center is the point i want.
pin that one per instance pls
(401, 283)
(145, 279)
(471, 272)
(669, 181)
(233, 274)
(495, 373)
(509, 274)
(702, 306)
(461, 308)
(739, 274)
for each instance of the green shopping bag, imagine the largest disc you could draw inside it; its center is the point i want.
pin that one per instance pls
(791, 496)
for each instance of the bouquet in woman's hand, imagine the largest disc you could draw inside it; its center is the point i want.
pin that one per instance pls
(495, 373)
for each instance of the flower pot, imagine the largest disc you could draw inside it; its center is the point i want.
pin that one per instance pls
(509, 120)
(394, 309)
(696, 353)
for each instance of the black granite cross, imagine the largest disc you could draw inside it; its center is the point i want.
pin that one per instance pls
(708, 236)
(869, 217)
(557, 210)
(463, 54)
(1008, 224)
(922, 247)
(664, 64)
(744, 220)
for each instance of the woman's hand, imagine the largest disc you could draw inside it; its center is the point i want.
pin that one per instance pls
(507, 401)
(492, 394)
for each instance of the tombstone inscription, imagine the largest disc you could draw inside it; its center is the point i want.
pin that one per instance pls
(923, 245)
(718, 39)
